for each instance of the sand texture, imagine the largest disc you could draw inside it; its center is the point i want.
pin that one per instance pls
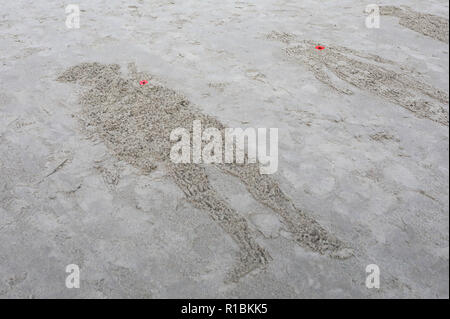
(363, 149)
(430, 25)
(136, 121)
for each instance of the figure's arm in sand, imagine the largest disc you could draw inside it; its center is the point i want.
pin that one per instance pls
(389, 65)
(306, 231)
(320, 73)
(367, 56)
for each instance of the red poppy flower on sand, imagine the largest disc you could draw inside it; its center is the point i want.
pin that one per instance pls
(320, 47)
(143, 82)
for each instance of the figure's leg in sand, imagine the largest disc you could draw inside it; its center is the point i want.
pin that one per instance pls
(422, 106)
(436, 108)
(192, 179)
(418, 97)
(421, 99)
(306, 231)
(424, 88)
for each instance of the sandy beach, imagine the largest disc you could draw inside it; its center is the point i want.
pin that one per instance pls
(87, 179)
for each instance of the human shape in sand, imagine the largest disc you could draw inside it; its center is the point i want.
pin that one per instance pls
(370, 73)
(427, 24)
(135, 123)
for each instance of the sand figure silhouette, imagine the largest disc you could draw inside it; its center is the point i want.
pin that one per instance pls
(135, 123)
(427, 24)
(370, 73)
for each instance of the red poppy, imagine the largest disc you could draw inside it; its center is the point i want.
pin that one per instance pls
(320, 47)
(143, 82)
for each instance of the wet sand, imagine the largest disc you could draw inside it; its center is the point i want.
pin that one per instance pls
(363, 150)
